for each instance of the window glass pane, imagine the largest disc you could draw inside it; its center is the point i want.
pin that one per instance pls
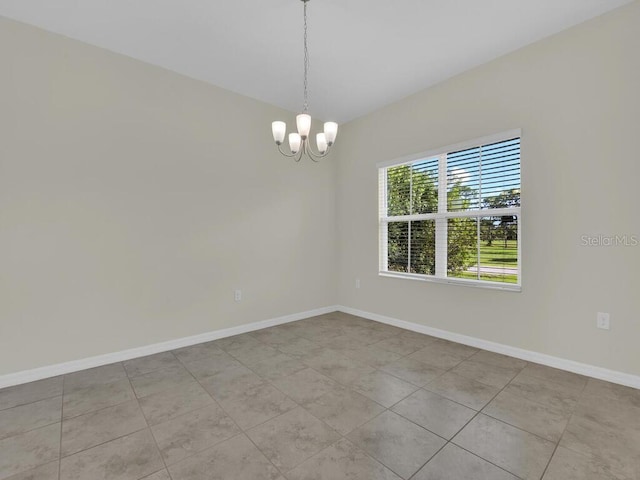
(503, 199)
(463, 180)
(423, 247)
(499, 249)
(462, 248)
(484, 177)
(501, 174)
(399, 190)
(398, 246)
(424, 180)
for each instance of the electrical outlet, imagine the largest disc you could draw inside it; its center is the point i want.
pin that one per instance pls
(237, 295)
(603, 321)
(357, 283)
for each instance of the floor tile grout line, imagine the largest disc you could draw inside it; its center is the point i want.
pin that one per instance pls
(553, 382)
(148, 356)
(556, 382)
(478, 412)
(159, 391)
(417, 424)
(61, 456)
(613, 472)
(564, 430)
(555, 442)
(61, 422)
(32, 402)
(298, 405)
(419, 386)
(385, 409)
(241, 430)
(488, 461)
(61, 425)
(93, 412)
(103, 443)
(350, 384)
(342, 437)
(430, 458)
(389, 409)
(521, 429)
(155, 441)
(450, 440)
(101, 408)
(99, 384)
(208, 447)
(449, 370)
(480, 381)
(335, 443)
(156, 370)
(532, 399)
(184, 414)
(32, 429)
(152, 474)
(340, 386)
(555, 449)
(350, 387)
(184, 363)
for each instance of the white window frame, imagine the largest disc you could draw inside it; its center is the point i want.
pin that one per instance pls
(441, 217)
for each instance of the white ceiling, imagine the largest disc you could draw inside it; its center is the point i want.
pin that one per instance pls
(364, 53)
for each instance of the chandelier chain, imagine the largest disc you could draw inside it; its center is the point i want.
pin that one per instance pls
(300, 144)
(305, 107)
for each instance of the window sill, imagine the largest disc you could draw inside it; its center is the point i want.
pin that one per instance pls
(508, 287)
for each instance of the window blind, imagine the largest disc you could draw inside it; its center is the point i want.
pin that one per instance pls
(454, 215)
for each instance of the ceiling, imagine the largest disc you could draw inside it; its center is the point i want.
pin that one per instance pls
(364, 53)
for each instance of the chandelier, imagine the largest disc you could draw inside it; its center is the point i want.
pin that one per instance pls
(299, 143)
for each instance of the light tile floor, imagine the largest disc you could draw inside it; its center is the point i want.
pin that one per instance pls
(327, 398)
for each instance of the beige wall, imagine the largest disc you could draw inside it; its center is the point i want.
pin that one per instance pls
(576, 97)
(133, 201)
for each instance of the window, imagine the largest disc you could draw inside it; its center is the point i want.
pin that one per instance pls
(454, 215)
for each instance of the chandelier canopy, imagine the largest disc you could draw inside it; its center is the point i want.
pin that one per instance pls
(299, 143)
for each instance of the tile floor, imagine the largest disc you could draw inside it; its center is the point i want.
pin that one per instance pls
(327, 398)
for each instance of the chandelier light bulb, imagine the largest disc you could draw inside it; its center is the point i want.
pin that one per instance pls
(279, 129)
(321, 142)
(294, 142)
(303, 122)
(330, 132)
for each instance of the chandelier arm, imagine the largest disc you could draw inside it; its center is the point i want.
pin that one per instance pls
(309, 151)
(300, 153)
(285, 153)
(314, 155)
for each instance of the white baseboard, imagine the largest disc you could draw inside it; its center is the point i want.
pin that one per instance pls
(549, 360)
(612, 376)
(84, 363)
